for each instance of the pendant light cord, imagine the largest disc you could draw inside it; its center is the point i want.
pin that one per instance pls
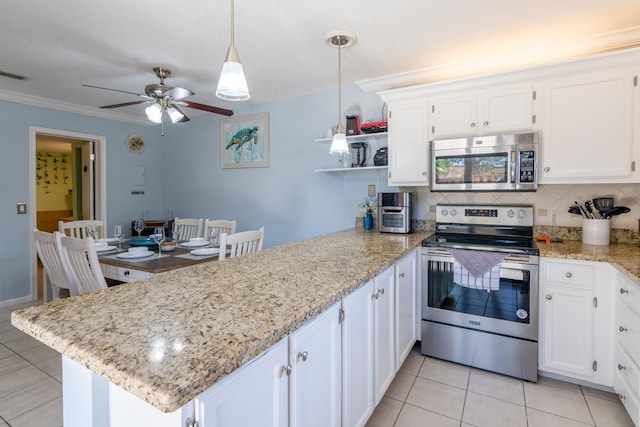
(339, 83)
(232, 23)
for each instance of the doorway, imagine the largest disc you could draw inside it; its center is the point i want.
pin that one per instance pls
(67, 182)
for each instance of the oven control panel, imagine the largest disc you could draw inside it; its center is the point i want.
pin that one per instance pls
(485, 214)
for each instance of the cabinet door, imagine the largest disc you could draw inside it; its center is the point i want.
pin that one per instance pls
(455, 115)
(406, 306)
(357, 357)
(505, 109)
(588, 128)
(567, 330)
(256, 394)
(408, 154)
(384, 332)
(314, 383)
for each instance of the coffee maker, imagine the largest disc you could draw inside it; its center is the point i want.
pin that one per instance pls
(358, 154)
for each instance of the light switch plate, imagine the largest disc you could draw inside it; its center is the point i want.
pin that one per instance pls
(372, 190)
(22, 208)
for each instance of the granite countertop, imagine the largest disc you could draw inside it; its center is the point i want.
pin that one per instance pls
(624, 257)
(168, 338)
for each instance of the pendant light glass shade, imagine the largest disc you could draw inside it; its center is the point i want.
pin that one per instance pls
(339, 143)
(232, 85)
(154, 113)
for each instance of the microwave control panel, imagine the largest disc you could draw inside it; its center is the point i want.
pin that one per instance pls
(527, 169)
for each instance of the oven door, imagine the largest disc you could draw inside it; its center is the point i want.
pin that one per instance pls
(511, 310)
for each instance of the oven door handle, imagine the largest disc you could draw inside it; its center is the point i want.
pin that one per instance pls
(513, 167)
(392, 210)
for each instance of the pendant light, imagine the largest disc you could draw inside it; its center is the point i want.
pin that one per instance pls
(232, 85)
(340, 39)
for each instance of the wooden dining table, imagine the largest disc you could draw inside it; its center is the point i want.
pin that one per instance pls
(130, 270)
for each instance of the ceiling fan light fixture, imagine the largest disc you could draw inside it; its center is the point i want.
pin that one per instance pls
(232, 85)
(154, 113)
(174, 115)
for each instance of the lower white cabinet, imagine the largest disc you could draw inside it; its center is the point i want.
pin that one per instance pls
(384, 343)
(576, 315)
(406, 301)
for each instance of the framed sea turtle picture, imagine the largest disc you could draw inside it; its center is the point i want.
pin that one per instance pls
(245, 141)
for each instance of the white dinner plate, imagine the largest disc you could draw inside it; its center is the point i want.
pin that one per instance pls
(134, 255)
(101, 249)
(206, 251)
(107, 240)
(196, 244)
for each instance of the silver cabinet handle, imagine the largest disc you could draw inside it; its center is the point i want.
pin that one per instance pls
(569, 275)
(548, 297)
(486, 123)
(473, 125)
(126, 272)
(621, 367)
(622, 329)
(624, 291)
(381, 291)
(286, 369)
(622, 396)
(375, 295)
(303, 355)
(402, 275)
(547, 169)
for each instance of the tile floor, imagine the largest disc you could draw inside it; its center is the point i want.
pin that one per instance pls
(425, 392)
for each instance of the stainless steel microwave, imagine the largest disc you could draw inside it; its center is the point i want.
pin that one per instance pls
(485, 163)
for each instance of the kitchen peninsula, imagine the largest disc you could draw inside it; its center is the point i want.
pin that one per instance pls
(169, 338)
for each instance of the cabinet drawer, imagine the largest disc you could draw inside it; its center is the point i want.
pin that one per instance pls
(627, 398)
(628, 293)
(123, 274)
(627, 332)
(569, 273)
(628, 370)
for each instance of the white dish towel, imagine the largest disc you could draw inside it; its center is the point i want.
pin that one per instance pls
(477, 269)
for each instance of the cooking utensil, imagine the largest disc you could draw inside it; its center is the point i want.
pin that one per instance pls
(575, 210)
(603, 204)
(616, 210)
(589, 205)
(582, 211)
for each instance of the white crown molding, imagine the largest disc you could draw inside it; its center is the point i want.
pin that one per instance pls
(600, 43)
(71, 108)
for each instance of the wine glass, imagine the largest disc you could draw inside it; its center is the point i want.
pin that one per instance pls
(158, 237)
(213, 237)
(175, 232)
(117, 233)
(138, 226)
(92, 230)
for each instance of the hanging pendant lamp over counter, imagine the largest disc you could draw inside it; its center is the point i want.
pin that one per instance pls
(340, 39)
(232, 85)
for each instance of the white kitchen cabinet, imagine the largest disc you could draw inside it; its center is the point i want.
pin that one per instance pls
(384, 348)
(575, 338)
(406, 301)
(587, 130)
(408, 155)
(315, 379)
(489, 111)
(256, 394)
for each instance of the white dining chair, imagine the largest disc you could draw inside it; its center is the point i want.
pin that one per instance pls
(80, 228)
(241, 243)
(80, 260)
(55, 277)
(218, 226)
(188, 227)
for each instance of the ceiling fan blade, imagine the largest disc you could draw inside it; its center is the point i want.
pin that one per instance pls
(178, 93)
(124, 104)
(204, 107)
(121, 91)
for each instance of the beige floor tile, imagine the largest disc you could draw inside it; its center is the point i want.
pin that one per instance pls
(413, 362)
(608, 413)
(608, 395)
(400, 386)
(544, 419)
(49, 414)
(11, 335)
(5, 352)
(560, 384)
(558, 401)
(437, 397)
(21, 378)
(52, 365)
(412, 416)
(39, 353)
(445, 372)
(498, 386)
(29, 397)
(5, 325)
(385, 414)
(5, 314)
(486, 411)
(22, 343)
(11, 364)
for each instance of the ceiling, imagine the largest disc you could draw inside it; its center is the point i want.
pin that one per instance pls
(60, 45)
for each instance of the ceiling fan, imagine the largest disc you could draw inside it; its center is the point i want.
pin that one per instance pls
(164, 98)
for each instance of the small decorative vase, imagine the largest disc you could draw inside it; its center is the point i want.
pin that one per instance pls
(367, 221)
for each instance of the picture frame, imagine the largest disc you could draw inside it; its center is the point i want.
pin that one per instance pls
(245, 141)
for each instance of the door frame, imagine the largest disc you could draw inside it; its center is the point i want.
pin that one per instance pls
(100, 185)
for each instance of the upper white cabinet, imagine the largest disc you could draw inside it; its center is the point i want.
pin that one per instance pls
(489, 111)
(587, 134)
(408, 155)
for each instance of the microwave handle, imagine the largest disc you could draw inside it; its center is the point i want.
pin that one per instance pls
(513, 167)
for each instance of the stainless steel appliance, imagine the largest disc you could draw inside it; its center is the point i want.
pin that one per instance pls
(485, 163)
(358, 154)
(491, 324)
(395, 212)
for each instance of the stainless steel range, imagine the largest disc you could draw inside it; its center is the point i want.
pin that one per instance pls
(480, 289)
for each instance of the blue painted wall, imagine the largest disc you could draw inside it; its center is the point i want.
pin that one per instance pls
(184, 174)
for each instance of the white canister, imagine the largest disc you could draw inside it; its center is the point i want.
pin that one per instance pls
(596, 231)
